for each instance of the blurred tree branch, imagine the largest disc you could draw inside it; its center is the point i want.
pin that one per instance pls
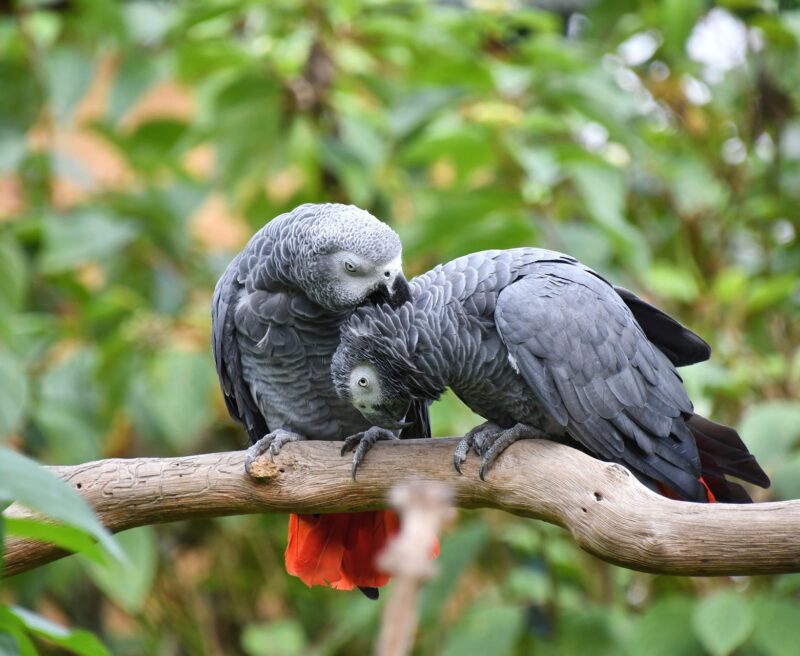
(609, 513)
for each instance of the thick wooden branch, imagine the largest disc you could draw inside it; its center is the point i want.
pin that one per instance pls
(609, 513)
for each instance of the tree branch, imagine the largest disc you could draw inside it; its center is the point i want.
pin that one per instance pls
(609, 513)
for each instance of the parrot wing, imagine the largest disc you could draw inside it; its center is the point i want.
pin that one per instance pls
(590, 365)
(227, 356)
(682, 346)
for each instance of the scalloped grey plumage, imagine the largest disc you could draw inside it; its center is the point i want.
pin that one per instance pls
(533, 336)
(275, 323)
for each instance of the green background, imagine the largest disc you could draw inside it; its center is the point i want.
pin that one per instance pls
(142, 143)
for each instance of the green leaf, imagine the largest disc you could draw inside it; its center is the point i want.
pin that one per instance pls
(76, 641)
(602, 189)
(665, 629)
(12, 626)
(87, 235)
(458, 550)
(128, 582)
(770, 429)
(281, 638)
(180, 385)
(777, 628)
(723, 622)
(485, 630)
(677, 18)
(12, 148)
(25, 482)
(69, 74)
(134, 77)
(148, 22)
(69, 395)
(785, 477)
(61, 535)
(13, 393)
(450, 416)
(695, 188)
(19, 106)
(671, 282)
(587, 631)
(13, 276)
(8, 645)
(415, 109)
(777, 290)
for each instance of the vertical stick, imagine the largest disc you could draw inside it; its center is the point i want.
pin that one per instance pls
(423, 509)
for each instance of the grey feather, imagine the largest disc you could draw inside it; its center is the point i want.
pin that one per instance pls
(532, 336)
(276, 317)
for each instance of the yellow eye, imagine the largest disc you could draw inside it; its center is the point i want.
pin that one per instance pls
(363, 382)
(349, 267)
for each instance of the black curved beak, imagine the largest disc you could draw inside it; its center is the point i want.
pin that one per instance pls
(401, 291)
(393, 295)
(386, 417)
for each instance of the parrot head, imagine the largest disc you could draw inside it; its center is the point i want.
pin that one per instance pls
(348, 257)
(380, 404)
(374, 366)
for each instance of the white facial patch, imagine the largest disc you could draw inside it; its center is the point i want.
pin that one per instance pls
(357, 277)
(364, 386)
(394, 267)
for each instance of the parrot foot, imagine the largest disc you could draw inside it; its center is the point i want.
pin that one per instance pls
(362, 442)
(475, 439)
(271, 443)
(499, 442)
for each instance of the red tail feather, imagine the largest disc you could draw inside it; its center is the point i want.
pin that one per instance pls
(711, 497)
(339, 550)
(665, 491)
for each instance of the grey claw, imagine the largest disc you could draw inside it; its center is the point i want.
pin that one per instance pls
(460, 454)
(350, 442)
(270, 444)
(364, 445)
(362, 442)
(254, 451)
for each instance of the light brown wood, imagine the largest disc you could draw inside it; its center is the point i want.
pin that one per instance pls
(609, 513)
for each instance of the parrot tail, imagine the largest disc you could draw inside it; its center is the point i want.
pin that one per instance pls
(339, 550)
(723, 452)
(664, 491)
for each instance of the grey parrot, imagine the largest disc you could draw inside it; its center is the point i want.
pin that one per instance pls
(276, 317)
(542, 346)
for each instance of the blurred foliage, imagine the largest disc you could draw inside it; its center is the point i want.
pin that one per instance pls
(142, 142)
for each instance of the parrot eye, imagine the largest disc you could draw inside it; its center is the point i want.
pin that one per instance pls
(363, 382)
(349, 267)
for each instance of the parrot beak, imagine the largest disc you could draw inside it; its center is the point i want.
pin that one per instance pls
(394, 293)
(385, 418)
(400, 291)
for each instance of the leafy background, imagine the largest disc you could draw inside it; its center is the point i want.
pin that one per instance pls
(141, 143)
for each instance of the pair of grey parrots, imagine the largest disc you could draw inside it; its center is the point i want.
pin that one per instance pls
(318, 335)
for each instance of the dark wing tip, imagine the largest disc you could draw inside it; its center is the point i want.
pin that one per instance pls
(681, 345)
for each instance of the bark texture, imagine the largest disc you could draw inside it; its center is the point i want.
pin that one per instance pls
(609, 513)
